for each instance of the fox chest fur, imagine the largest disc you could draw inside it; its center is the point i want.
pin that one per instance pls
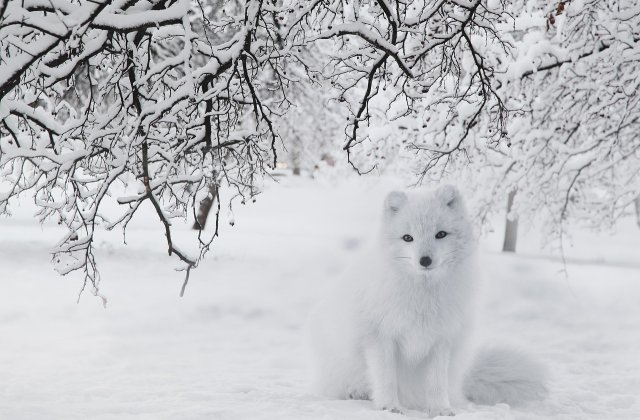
(412, 315)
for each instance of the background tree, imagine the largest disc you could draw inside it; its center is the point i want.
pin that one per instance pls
(574, 150)
(168, 110)
(568, 78)
(169, 101)
(172, 97)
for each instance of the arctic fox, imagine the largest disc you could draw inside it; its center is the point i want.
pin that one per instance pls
(395, 329)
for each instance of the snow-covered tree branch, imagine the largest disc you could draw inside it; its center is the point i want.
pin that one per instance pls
(390, 60)
(576, 145)
(160, 99)
(570, 149)
(574, 152)
(165, 101)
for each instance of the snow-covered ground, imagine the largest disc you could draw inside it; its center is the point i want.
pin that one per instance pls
(234, 347)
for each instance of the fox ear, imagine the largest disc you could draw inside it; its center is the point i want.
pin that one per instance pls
(394, 201)
(450, 196)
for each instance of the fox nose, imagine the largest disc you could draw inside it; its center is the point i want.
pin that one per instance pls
(425, 261)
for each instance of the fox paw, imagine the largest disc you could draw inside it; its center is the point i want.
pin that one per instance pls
(435, 412)
(393, 409)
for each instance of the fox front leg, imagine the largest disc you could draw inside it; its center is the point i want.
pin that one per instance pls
(438, 381)
(382, 370)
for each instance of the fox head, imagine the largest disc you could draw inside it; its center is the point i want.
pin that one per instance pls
(427, 232)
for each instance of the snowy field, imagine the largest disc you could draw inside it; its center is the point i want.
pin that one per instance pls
(234, 347)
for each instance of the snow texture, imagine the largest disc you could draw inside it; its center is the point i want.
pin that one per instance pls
(234, 347)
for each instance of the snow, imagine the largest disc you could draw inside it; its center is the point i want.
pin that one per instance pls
(125, 22)
(234, 347)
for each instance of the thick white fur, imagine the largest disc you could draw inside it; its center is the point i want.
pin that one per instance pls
(502, 375)
(395, 332)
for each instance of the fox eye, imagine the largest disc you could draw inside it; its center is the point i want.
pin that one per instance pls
(407, 238)
(441, 234)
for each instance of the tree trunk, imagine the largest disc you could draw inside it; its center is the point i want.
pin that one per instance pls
(637, 203)
(295, 155)
(205, 207)
(511, 227)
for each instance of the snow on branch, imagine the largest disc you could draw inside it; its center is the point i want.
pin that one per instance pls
(158, 101)
(159, 98)
(575, 146)
(572, 84)
(389, 56)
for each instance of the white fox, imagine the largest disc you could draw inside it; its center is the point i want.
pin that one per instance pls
(395, 329)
